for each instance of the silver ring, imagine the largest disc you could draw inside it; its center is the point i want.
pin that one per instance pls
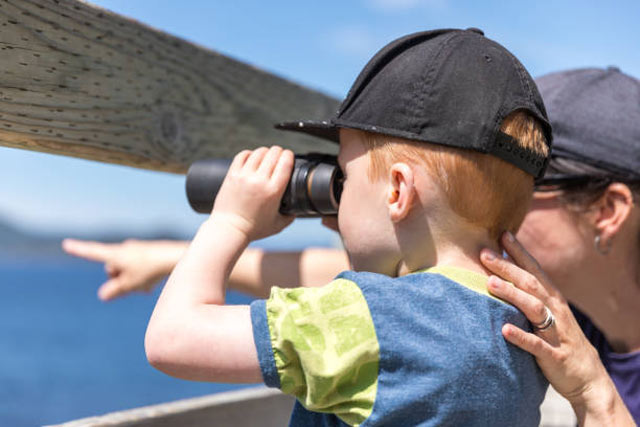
(548, 322)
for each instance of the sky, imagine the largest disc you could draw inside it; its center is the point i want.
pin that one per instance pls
(322, 45)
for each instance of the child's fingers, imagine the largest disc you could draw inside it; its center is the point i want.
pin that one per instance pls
(94, 251)
(282, 170)
(255, 158)
(528, 342)
(270, 161)
(239, 160)
(532, 307)
(512, 273)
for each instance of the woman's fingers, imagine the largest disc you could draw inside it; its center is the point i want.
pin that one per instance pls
(520, 255)
(532, 307)
(112, 289)
(526, 341)
(512, 273)
(94, 251)
(111, 270)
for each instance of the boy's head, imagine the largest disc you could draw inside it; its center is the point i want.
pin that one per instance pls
(455, 106)
(483, 191)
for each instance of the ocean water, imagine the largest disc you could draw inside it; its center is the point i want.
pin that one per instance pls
(65, 355)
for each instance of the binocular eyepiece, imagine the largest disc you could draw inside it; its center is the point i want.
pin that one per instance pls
(313, 190)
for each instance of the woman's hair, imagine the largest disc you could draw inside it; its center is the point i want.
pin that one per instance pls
(587, 183)
(480, 188)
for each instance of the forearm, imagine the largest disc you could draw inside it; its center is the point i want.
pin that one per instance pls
(201, 274)
(601, 405)
(171, 251)
(191, 334)
(257, 270)
(165, 254)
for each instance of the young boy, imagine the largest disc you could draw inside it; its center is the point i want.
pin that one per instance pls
(440, 138)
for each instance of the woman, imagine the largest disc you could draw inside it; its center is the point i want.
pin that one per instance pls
(583, 227)
(584, 222)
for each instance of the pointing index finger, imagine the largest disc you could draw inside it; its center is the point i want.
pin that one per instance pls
(94, 251)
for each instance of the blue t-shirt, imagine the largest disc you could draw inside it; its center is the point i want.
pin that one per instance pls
(422, 349)
(623, 368)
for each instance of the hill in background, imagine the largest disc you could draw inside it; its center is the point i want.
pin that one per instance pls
(15, 241)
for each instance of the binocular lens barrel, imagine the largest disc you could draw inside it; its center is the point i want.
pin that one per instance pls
(314, 187)
(204, 180)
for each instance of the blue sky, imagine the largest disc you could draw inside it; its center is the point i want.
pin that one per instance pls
(322, 45)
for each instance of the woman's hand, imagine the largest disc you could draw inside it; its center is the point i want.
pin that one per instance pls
(567, 359)
(131, 266)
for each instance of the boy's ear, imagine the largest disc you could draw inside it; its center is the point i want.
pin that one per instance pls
(402, 191)
(612, 210)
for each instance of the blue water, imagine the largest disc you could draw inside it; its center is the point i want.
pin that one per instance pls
(66, 355)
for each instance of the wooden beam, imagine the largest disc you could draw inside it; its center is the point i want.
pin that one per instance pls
(249, 407)
(81, 81)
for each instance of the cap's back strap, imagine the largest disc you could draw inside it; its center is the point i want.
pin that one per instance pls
(507, 148)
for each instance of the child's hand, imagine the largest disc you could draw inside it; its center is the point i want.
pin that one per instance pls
(250, 195)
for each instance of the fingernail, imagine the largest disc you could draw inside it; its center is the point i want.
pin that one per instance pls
(493, 284)
(510, 237)
(489, 255)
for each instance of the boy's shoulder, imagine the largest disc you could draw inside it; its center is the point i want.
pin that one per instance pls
(431, 280)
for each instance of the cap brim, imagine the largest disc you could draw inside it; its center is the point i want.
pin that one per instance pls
(321, 129)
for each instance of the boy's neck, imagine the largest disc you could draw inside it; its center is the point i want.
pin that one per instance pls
(463, 252)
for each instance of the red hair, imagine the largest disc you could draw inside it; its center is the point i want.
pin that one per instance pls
(483, 189)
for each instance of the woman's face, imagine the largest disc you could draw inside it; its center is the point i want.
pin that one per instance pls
(558, 238)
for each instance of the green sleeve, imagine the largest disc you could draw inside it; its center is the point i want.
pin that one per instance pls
(325, 348)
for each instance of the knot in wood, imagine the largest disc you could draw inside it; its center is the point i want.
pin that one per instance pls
(169, 127)
(168, 135)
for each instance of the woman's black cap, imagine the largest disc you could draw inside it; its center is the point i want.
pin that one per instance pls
(449, 87)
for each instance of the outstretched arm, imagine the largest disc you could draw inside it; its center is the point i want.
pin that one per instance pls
(567, 359)
(191, 333)
(132, 265)
(140, 265)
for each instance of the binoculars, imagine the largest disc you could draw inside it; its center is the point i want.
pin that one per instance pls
(313, 190)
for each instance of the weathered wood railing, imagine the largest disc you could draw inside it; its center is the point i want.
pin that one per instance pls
(81, 81)
(252, 407)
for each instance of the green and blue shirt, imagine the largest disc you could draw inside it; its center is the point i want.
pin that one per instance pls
(422, 349)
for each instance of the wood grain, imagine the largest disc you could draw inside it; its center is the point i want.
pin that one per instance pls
(81, 81)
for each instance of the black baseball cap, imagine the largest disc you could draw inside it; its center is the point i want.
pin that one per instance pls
(449, 87)
(595, 114)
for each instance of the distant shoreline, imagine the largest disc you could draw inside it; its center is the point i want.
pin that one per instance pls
(16, 242)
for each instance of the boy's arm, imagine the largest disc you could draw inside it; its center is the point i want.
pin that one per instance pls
(191, 334)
